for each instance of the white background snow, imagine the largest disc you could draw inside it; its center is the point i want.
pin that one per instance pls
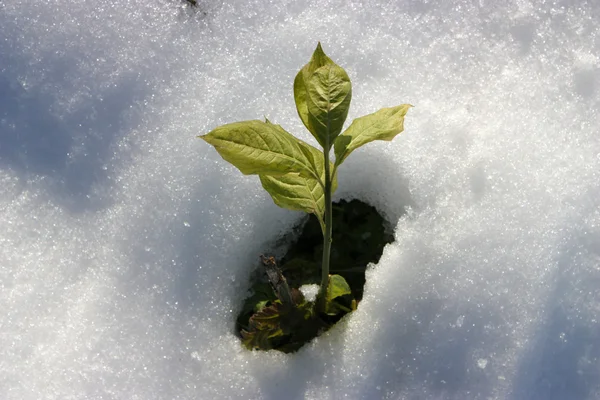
(126, 243)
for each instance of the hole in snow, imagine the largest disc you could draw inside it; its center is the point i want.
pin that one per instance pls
(359, 236)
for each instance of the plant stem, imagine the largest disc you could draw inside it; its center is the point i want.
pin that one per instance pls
(327, 234)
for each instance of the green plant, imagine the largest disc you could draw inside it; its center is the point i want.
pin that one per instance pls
(297, 175)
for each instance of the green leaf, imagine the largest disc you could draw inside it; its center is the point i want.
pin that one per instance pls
(329, 95)
(256, 147)
(384, 124)
(299, 193)
(318, 60)
(337, 287)
(322, 91)
(295, 192)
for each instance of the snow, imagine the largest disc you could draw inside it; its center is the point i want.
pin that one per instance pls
(126, 243)
(309, 292)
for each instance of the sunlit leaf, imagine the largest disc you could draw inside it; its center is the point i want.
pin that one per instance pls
(295, 192)
(322, 91)
(329, 95)
(384, 124)
(318, 60)
(257, 147)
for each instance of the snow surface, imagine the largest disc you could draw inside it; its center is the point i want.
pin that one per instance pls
(126, 242)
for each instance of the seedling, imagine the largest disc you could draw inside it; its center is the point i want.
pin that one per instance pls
(299, 176)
